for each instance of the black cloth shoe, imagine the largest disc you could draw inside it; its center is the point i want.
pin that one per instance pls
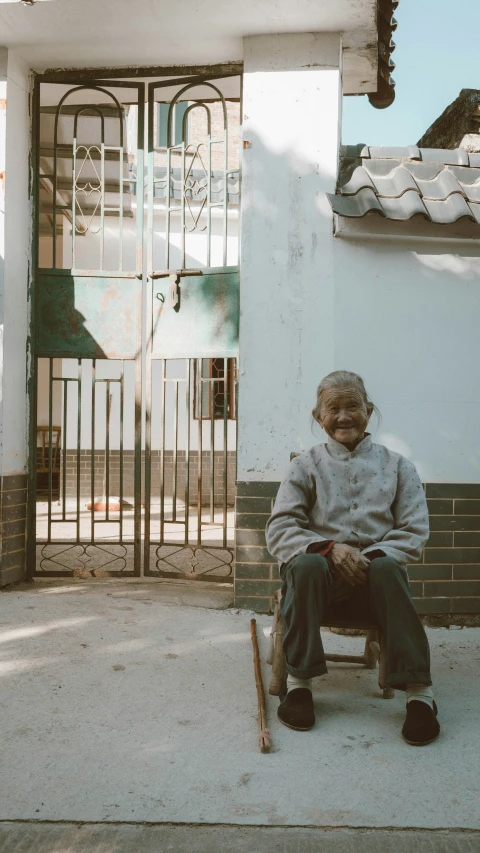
(421, 725)
(296, 710)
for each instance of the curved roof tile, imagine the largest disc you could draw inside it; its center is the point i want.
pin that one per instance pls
(475, 208)
(408, 205)
(450, 209)
(472, 192)
(357, 205)
(440, 187)
(466, 175)
(398, 183)
(359, 180)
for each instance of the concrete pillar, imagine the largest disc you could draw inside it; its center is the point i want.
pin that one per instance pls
(291, 132)
(14, 275)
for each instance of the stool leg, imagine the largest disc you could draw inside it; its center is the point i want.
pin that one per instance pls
(368, 654)
(271, 644)
(278, 675)
(378, 647)
(388, 692)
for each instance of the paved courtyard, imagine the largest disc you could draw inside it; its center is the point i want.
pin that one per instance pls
(129, 703)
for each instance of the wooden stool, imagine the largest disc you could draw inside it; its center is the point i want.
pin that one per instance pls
(374, 651)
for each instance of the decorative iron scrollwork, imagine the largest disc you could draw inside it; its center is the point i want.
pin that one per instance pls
(90, 187)
(85, 560)
(205, 563)
(196, 188)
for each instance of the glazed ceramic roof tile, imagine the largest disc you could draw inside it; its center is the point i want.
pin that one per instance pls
(442, 185)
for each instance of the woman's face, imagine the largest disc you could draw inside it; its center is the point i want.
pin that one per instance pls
(344, 415)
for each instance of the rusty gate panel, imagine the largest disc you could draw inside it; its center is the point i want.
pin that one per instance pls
(204, 321)
(85, 518)
(192, 466)
(92, 316)
(87, 336)
(192, 337)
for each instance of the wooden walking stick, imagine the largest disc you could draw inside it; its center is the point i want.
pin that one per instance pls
(264, 740)
(276, 657)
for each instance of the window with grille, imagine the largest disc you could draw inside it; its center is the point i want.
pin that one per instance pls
(177, 123)
(217, 390)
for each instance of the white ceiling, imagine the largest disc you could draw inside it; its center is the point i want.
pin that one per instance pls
(101, 33)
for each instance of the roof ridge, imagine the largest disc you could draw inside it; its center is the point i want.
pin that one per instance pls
(412, 152)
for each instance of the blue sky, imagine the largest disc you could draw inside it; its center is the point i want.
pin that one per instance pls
(437, 54)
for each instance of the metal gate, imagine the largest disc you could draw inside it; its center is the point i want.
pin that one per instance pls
(135, 327)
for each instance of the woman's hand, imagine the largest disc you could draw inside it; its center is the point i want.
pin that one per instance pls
(350, 562)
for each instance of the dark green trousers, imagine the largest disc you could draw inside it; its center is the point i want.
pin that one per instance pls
(384, 600)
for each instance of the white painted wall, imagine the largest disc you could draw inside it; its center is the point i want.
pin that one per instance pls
(407, 317)
(403, 310)
(16, 254)
(292, 98)
(3, 145)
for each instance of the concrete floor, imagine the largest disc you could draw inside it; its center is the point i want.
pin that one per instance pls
(124, 702)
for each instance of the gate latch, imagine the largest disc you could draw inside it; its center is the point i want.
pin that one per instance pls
(174, 277)
(173, 291)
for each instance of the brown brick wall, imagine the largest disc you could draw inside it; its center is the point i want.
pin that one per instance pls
(13, 513)
(446, 581)
(197, 132)
(256, 572)
(128, 474)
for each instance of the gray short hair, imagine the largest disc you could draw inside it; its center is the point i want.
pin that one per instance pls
(342, 379)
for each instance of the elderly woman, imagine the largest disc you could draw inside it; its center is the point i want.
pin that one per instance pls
(348, 517)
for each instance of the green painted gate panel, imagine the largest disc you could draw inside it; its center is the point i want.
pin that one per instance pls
(205, 320)
(88, 316)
